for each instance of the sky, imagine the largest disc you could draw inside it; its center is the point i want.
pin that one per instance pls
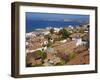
(42, 20)
(55, 17)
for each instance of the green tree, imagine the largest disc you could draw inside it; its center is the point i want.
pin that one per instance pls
(64, 33)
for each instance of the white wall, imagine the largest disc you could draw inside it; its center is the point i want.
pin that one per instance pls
(5, 43)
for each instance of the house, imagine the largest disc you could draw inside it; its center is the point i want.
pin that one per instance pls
(46, 32)
(78, 41)
(63, 41)
(48, 28)
(31, 34)
(74, 36)
(70, 27)
(77, 37)
(56, 30)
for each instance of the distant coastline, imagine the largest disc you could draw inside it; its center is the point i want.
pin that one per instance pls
(30, 28)
(42, 20)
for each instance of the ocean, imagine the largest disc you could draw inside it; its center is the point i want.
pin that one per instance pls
(33, 25)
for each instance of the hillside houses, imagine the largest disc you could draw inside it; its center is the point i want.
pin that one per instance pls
(78, 37)
(56, 30)
(58, 46)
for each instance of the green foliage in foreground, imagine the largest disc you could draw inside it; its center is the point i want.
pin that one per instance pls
(72, 55)
(61, 63)
(41, 54)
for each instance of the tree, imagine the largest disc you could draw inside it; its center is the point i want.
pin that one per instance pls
(52, 31)
(64, 33)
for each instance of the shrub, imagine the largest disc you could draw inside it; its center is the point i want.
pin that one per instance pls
(61, 63)
(41, 54)
(72, 55)
(64, 33)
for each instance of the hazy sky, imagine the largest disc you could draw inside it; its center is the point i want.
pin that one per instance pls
(56, 17)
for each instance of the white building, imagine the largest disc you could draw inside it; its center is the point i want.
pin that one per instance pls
(71, 27)
(48, 28)
(63, 41)
(46, 32)
(57, 29)
(31, 34)
(78, 41)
